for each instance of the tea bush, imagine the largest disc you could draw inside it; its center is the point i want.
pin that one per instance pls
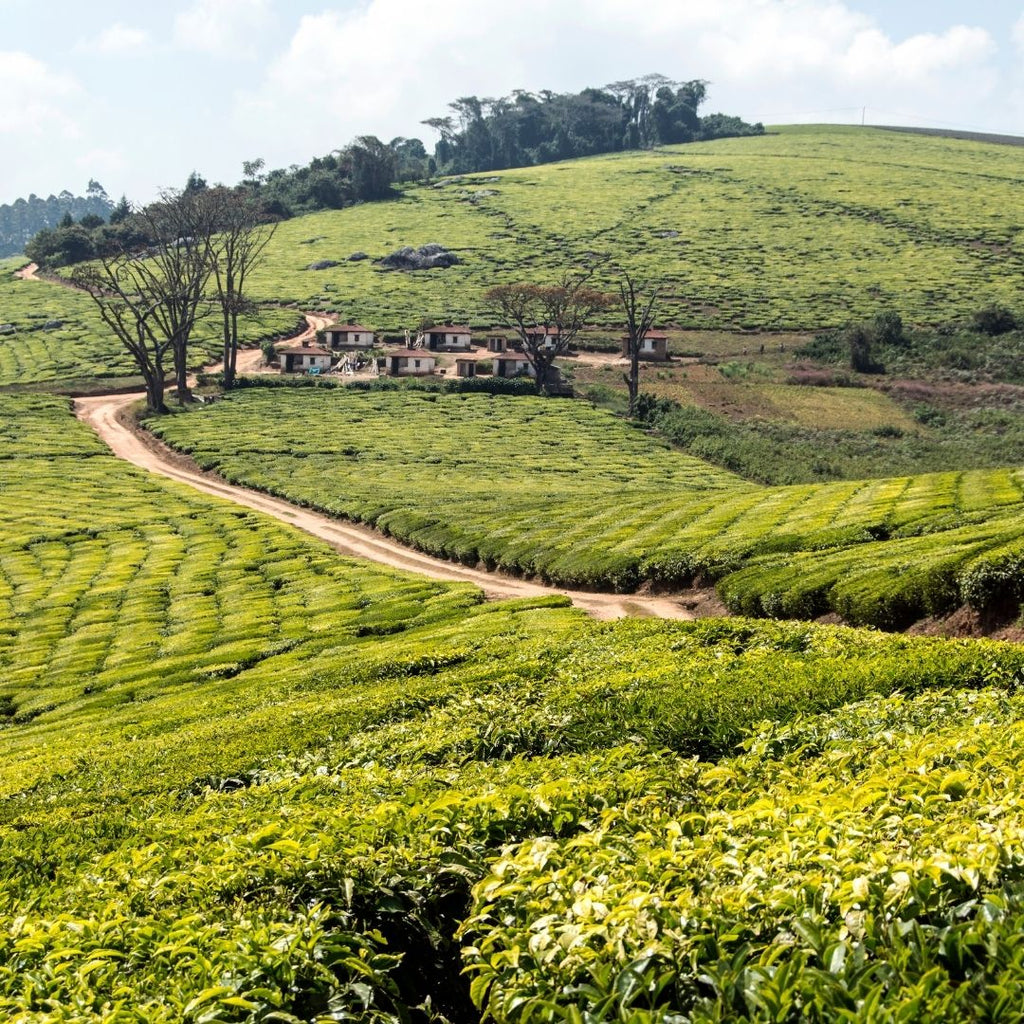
(580, 498)
(246, 779)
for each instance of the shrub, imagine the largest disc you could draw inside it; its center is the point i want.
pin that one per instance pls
(887, 329)
(994, 320)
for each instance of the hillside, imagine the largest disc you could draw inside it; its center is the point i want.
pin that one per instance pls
(582, 499)
(245, 779)
(804, 227)
(53, 335)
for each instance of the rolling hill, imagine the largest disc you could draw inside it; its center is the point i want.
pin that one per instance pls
(246, 779)
(804, 227)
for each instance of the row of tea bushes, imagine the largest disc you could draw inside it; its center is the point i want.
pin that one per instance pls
(320, 790)
(579, 498)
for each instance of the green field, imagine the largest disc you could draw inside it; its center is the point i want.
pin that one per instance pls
(82, 348)
(804, 227)
(581, 498)
(247, 780)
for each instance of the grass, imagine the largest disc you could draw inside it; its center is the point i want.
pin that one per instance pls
(247, 779)
(77, 348)
(806, 227)
(580, 498)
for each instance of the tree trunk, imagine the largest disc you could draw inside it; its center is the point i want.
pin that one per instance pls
(155, 390)
(228, 362)
(542, 367)
(181, 373)
(633, 380)
(234, 345)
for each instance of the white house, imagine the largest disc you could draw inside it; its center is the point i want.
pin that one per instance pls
(304, 359)
(348, 336)
(447, 338)
(545, 338)
(410, 362)
(653, 345)
(512, 366)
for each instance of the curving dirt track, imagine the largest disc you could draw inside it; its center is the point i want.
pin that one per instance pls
(106, 414)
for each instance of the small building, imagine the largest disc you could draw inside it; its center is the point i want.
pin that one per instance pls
(465, 366)
(653, 345)
(304, 359)
(497, 343)
(348, 336)
(410, 362)
(447, 338)
(545, 338)
(512, 366)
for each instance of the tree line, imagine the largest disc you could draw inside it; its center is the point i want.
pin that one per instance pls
(532, 128)
(479, 134)
(23, 219)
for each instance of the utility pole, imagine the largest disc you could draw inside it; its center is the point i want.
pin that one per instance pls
(863, 114)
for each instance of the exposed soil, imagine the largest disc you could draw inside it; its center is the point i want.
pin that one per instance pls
(29, 273)
(966, 622)
(953, 395)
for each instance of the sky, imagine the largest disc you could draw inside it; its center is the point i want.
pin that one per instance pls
(139, 95)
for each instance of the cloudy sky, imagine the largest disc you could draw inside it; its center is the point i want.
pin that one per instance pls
(138, 95)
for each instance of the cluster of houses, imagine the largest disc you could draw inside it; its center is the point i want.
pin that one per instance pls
(419, 359)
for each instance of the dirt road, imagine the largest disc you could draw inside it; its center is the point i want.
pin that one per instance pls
(106, 415)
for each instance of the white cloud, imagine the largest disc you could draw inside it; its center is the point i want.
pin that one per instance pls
(100, 162)
(1017, 34)
(115, 40)
(221, 27)
(388, 64)
(35, 101)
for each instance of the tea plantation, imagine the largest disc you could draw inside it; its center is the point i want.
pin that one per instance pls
(247, 780)
(804, 227)
(580, 498)
(54, 335)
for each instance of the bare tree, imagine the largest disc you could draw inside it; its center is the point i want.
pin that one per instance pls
(150, 295)
(174, 270)
(128, 308)
(547, 317)
(243, 235)
(639, 314)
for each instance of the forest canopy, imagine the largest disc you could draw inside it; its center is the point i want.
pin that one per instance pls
(533, 128)
(24, 218)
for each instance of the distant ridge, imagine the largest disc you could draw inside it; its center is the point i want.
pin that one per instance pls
(951, 133)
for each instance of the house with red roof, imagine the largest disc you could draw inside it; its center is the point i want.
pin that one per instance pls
(410, 362)
(304, 359)
(512, 366)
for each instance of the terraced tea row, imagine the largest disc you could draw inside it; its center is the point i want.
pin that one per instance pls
(581, 499)
(114, 585)
(801, 228)
(57, 336)
(821, 876)
(245, 778)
